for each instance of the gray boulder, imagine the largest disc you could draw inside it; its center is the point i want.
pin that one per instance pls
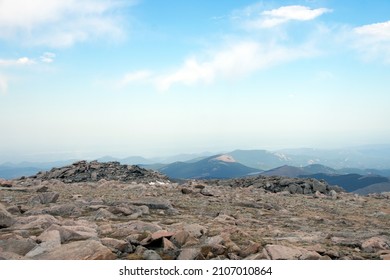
(6, 219)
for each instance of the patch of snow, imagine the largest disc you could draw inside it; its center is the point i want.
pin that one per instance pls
(225, 158)
(282, 156)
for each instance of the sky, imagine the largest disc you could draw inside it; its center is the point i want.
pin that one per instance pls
(89, 78)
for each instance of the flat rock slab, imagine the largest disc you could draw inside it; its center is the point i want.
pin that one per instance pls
(35, 222)
(280, 252)
(79, 250)
(74, 233)
(153, 203)
(126, 229)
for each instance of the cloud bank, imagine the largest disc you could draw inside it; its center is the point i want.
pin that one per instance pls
(373, 40)
(60, 23)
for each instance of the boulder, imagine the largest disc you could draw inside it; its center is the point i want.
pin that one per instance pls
(79, 250)
(74, 233)
(251, 249)
(103, 214)
(280, 252)
(318, 186)
(49, 240)
(117, 245)
(375, 244)
(6, 219)
(190, 254)
(151, 255)
(195, 230)
(16, 244)
(40, 222)
(63, 210)
(180, 238)
(6, 183)
(46, 198)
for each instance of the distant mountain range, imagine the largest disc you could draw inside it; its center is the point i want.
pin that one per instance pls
(218, 166)
(353, 169)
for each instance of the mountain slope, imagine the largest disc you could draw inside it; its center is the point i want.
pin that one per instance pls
(218, 166)
(286, 171)
(350, 182)
(17, 172)
(375, 188)
(260, 159)
(319, 168)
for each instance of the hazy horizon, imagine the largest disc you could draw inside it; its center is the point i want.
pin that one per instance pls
(65, 156)
(159, 78)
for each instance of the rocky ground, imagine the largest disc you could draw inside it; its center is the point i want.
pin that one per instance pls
(91, 210)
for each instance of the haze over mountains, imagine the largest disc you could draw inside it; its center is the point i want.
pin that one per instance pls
(353, 169)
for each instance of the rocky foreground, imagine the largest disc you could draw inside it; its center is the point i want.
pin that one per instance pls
(91, 210)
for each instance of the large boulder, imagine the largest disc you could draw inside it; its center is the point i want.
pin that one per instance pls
(16, 244)
(6, 219)
(79, 250)
(49, 241)
(40, 222)
(280, 252)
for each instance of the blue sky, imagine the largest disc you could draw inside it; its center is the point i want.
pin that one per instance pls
(141, 77)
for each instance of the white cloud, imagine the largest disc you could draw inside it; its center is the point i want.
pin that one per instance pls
(60, 23)
(48, 57)
(137, 76)
(373, 40)
(3, 84)
(16, 62)
(271, 18)
(234, 61)
(376, 32)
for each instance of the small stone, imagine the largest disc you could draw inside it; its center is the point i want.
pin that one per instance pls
(180, 238)
(151, 255)
(310, 255)
(190, 254)
(41, 189)
(318, 194)
(103, 214)
(5, 183)
(160, 234)
(333, 194)
(116, 245)
(195, 230)
(168, 245)
(279, 252)
(186, 191)
(385, 257)
(251, 249)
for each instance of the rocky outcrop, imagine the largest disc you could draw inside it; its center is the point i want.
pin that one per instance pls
(279, 184)
(94, 171)
(70, 213)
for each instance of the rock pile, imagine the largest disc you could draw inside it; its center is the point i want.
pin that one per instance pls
(280, 184)
(94, 171)
(80, 212)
